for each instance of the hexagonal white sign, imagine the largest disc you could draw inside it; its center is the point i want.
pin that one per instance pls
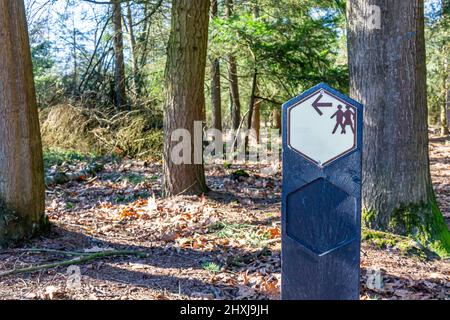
(322, 127)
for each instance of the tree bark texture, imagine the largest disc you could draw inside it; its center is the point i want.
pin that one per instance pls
(119, 73)
(233, 79)
(22, 189)
(388, 76)
(185, 99)
(134, 59)
(216, 92)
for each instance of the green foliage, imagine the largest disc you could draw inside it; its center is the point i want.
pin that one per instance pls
(42, 58)
(58, 156)
(249, 233)
(46, 79)
(134, 178)
(211, 267)
(291, 45)
(138, 137)
(437, 33)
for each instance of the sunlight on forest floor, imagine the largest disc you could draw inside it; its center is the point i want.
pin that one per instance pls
(222, 246)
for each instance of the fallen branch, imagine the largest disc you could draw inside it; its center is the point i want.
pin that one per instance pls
(67, 253)
(64, 177)
(82, 258)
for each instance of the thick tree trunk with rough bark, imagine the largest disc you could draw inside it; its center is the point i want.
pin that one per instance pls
(233, 79)
(21, 167)
(216, 99)
(119, 73)
(185, 99)
(388, 75)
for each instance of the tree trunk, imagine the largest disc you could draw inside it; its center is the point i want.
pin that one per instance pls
(444, 114)
(255, 104)
(444, 104)
(233, 79)
(253, 109)
(447, 98)
(446, 15)
(185, 100)
(119, 75)
(134, 61)
(22, 189)
(254, 116)
(256, 119)
(75, 59)
(216, 99)
(276, 118)
(388, 75)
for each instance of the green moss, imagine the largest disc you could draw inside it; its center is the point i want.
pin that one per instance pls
(380, 239)
(441, 244)
(368, 218)
(404, 245)
(422, 222)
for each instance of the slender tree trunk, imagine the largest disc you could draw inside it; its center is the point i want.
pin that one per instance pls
(134, 61)
(185, 100)
(444, 114)
(216, 99)
(447, 98)
(253, 107)
(444, 104)
(446, 16)
(255, 104)
(119, 77)
(256, 119)
(233, 78)
(21, 166)
(75, 60)
(276, 118)
(388, 75)
(234, 93)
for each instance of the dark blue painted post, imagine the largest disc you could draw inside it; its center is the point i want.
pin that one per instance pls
(321, 200)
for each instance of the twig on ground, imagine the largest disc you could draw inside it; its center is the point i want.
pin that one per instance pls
(82, 258)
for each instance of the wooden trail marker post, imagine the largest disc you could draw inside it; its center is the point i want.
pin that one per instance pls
(321, 198)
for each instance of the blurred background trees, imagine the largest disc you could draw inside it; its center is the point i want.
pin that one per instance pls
(105, 54)
(438, 53)
(108, 58)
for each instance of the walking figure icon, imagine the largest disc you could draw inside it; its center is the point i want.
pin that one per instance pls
(344, 119)
(322, 126)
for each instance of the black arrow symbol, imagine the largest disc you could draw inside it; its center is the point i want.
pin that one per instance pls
(316, 104)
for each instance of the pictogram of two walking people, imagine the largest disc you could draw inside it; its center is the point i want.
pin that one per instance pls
(344, 119)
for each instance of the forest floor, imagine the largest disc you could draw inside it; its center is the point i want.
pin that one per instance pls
(225, 245)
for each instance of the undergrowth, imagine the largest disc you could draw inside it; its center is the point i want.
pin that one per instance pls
(135, 134)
